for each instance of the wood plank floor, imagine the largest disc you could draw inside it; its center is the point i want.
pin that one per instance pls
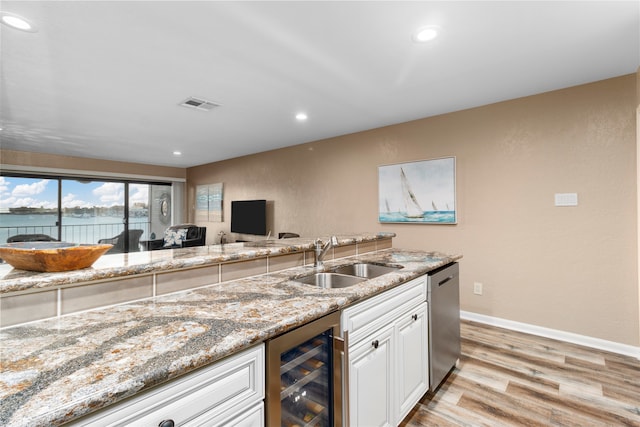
(508, 378)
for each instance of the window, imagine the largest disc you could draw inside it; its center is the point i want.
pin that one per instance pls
(79, 210)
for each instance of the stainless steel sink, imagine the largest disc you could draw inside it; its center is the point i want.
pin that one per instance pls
(366, 270)
(330, 280)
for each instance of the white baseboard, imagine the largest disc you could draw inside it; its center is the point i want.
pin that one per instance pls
(614, 347)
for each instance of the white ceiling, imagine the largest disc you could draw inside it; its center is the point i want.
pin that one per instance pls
(103, 79)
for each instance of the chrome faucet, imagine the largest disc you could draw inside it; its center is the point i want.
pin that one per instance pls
(321, 251)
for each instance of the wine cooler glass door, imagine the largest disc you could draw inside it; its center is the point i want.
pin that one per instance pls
(301, 391)
(305, 382)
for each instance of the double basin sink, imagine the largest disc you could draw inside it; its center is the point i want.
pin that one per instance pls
(345, 276)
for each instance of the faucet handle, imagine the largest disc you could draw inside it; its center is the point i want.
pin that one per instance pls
(334, 240)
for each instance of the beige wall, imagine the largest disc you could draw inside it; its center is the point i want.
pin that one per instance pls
(567, 268)
(10, 158)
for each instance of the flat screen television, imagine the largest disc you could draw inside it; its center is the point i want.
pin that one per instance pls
(249, 217)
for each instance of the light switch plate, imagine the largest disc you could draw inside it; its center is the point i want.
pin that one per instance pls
(566, 199)
(477, 288)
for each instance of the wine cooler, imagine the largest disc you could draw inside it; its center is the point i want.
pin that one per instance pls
(304, 376)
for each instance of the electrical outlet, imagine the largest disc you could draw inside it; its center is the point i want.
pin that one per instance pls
(477, 288)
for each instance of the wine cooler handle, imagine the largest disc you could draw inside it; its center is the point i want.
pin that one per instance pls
(341, 347)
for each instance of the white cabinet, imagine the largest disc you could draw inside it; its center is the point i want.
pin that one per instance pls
(370, 379)
(412, 373)
(387, 355)
(252, 417)
(229, 393)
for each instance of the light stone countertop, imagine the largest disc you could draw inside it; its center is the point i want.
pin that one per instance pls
(121, 265)
(54, 371)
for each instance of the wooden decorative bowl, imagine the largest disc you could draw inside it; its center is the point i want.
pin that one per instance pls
(51, 256)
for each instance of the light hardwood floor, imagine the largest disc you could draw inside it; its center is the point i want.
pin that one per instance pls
(507, 378)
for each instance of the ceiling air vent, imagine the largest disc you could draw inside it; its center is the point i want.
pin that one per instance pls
(199, 104)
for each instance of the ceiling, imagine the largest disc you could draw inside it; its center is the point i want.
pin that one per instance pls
(104, 79)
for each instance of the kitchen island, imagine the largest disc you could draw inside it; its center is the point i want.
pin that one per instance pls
(56, 370)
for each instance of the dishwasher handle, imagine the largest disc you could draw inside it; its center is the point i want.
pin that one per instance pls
(442, 282)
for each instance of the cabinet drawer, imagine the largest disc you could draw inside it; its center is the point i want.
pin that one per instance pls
(231, 384)
(252, 417)
(373, 313)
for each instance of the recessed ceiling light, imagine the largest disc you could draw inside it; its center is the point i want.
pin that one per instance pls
(18, 22)
(177, 153)
(425, 34)
(301, 117)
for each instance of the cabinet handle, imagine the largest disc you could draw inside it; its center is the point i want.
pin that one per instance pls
(166, 423)
(375, 344)
(414, 317)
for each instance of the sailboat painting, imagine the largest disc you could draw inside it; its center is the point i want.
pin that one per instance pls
(418, 192)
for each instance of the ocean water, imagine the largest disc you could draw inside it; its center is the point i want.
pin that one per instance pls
(430, 217)
(74, 229)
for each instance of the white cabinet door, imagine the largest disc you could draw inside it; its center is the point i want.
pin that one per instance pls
(252, 417)
(412, 364)
(370, 380)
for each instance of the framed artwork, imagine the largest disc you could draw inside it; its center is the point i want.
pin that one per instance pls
(418, 192)
(215, 202)
(209, 202)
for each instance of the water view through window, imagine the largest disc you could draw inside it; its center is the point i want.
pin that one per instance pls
(74, 210)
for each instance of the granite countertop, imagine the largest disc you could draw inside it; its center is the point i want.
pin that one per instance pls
(56, 370)
(120, 265)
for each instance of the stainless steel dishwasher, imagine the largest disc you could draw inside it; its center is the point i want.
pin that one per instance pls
(443, 296)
